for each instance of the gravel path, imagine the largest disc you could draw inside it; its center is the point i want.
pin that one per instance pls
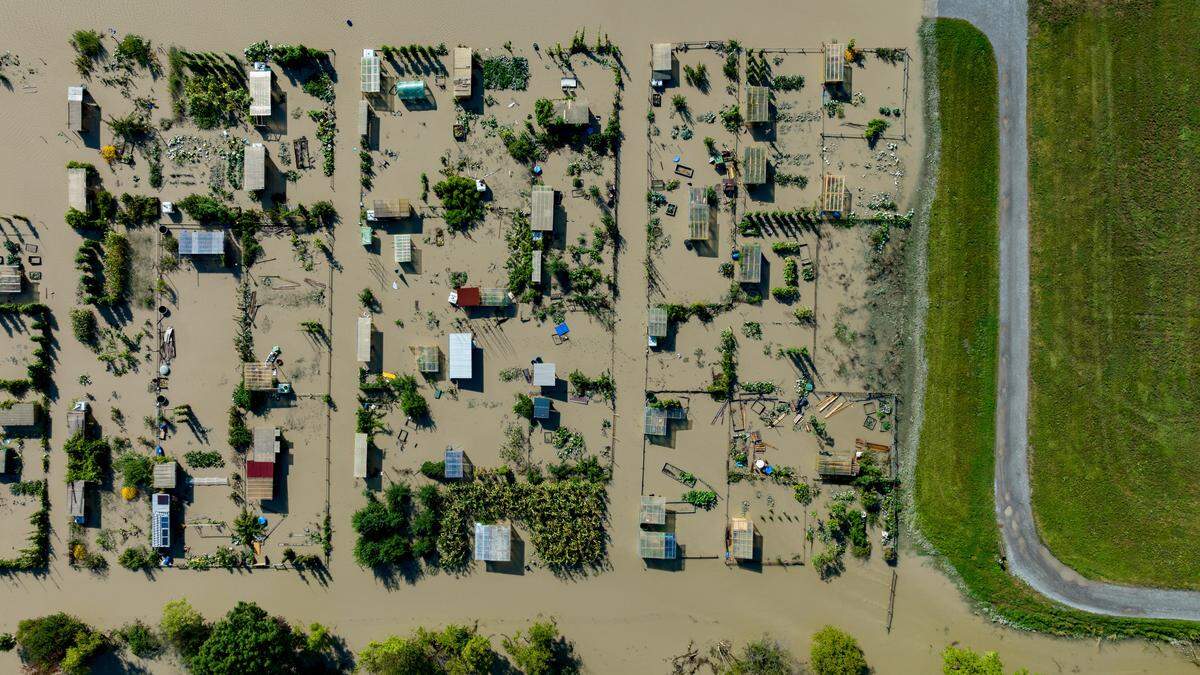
(1006, 25)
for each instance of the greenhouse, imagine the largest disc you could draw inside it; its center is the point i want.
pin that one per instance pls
(656, 545)
(427, 359)
(493, 542)
(653, 510)
(402, 248)
(370, 71)
(411, 90)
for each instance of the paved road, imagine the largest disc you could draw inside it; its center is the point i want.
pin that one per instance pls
(1006, 25)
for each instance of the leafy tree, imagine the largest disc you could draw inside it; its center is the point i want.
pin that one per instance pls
(382, 528)
(140, 639)
(524, 406)
(137, 470)
(247, 528)
(206, 209)
(463, 203)
(83, 324)
(762, 657)
(964, 661)
(541, 650)
(836, 652)
(249, 641)
(77, 219)
(183, 627)
(138, 558)
(46, 643)
(456, 649)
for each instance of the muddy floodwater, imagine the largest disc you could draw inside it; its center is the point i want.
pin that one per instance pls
(625, 618)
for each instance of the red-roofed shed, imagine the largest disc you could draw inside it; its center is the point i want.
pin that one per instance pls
(469, 297)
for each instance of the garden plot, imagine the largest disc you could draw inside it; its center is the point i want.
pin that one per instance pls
(691, 455)
(20, 493)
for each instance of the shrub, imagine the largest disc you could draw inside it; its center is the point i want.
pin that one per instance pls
(785, 293)
(87, 459)
(835, 652)
(804, 315)
(435, 470)
(116, 267)
(203, 459)
(138, 558)
(207, 210)
(786, 247)
(791, 272)
(702, 499)
(83, 324)
(875, 129)
(787, 82)
(382, 528)
(456, 649)
(78, 220)
(135, 48)
(88, 43)
(523, 407)
(137, 470)
(239, 436)
(183, 627)
(55, 642)
(140, 639)
(412, 403)
(7, 642)
(462, 202)
(541, 650)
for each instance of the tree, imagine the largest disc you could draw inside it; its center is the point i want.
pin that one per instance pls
(836, 652)
(83, 324)
(183, 627)
(48, 642)
(249, 641)
(463, 203)
(964, 661)
(524, 406)
(456, 649)
(140, 639)
(762, 657)
(247, 528)
(137, 470)
(541, 650)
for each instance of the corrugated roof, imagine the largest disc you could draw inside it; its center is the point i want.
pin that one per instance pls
(360, 455)
(544, 375)
(758, 105)
(461, 354)
(201, 242)
(260, 93)
(10, 279)
(18, 415)
(364, 339)
(364, 117)
(535, 260)
(266, 444)
(541, 212)
(254, 168)
(660, 58)
(77, 189)
(77, 498)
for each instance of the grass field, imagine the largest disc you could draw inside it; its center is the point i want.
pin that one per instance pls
(954, 475)
(1115, 247)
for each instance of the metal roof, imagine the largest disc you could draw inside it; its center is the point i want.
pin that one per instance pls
(77, 197)
(360, 455)
(754, 165)
(758, 105)
(390, 208)
(75, 108)
(369, 71)
(266, 444)
(541, 408)
(260, 480)
(364, 117)
(656, 545)
(535, 262)
(160, 520)
(402, 248)
(254, 167)
(76, 498)
(541, 212)
(493, 542)
(461, 353)
(18, 415)
(364, 339)
(660, 58)
(750, 264)
(260, 93)
(544, 375)
(201, 242)
(10, 279)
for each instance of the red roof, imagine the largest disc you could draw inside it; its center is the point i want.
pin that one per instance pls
(469, 297)
(260, 469)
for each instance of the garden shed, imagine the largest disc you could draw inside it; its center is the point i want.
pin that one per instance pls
(77, 195)
(18, 415)
(653, 510)
(165, 474)
(656, 545)
(260, 95)
(535, 264)
(201, 242)
(835, 63)
(455, 463)
(541, 216)
(77, 418)
(363, 349)
(754, 165)
(493, 542)
(364, 117)
(266, 444)
(700, 215)
(402, 248)
(741, 538)
(75, 108)
(260, 480)
(77, 500)
(574, 112)
(838, 466)
(544, 375)
(411, 90)
(160, 520)
(254, 167)
(758, 105)
(385, 209)
(258, 376)
(660, 61)
(360, 455)
(461, 355)
(750, 264)
(428, 359)
(833, 194)
(369, 71)
(10, 279)
(658, 322)
(541, 408)
(462, 72)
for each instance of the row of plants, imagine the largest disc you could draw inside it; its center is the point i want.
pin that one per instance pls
(37, 373)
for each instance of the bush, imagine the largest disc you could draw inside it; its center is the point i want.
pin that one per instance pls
(138, 558)
(135, 48)
(83, 324)
(241, 396)
(434, 470)
(463, 203)
(7, 642)
(116, 267)
(207, 210)
(702, 499)
(248, 640)
(412, 403)
(523, 407)
(239, 436)
(875, 129)
(213, 101)
(786, 247)
(137, 470)
(203, 459)
(762, 657)
(804, 315)
(87, 460)
(57, 641)
(78, 220)
(88, 43)
(456, 649)
(141, 640)
(541, 650)
(183, 627)
(835, 652)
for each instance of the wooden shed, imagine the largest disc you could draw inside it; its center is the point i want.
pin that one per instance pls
(835, 63)
(428, 359)
(77, 418)
(750, 264)
(541, 212)
(258, 376)
(260, 481)
(754, 165)
(363, 350)
(402, 248)
(386, 209)
(369, 71)
(463, 57)
(700, 215)
(653, 510)
(360, 455)
(660, 62)
(741, 538)
(77, 193)
(758, 105)
(165, 474)
(574, 112)
(18, 415)
(843, 465)
(259, 84)
(833, 194)
(254, 168)
(10, 279)
(75, 120)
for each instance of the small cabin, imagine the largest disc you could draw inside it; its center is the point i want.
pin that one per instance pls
(77, 189)
(463, 57)
(10, 279)
(266, 444)
(360, 455)
(544, 375)
(75, 111)
(260, 481)
(77, 501)
(661, 66)
(363, 350)
(364, 117)
(201, 242)
(369, 71)
(535, 263)
(77, 418)
(541, 212)
(389, 209)
(573, 112)
(541, 408)
(657, 323)
(165, 474)
(18, 415)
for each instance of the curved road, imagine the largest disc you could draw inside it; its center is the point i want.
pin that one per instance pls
(1006, 24)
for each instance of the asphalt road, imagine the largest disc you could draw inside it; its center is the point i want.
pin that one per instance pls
(1006, 24)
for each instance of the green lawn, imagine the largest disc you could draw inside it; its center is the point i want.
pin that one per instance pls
(1115, 247)
(954, 477)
